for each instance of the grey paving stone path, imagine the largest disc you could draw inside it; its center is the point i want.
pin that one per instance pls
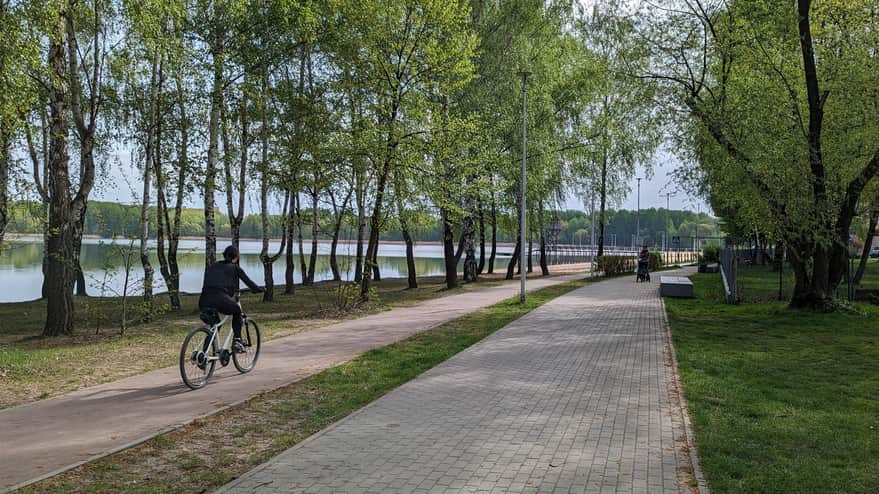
(42, 438)
(580, 395)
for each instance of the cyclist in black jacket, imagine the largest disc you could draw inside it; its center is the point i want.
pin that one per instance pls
(221, 281)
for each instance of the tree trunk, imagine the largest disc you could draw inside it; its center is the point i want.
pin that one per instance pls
(40, 161)
(530, 251)
(544, 269)
(493, 255)
(236, 217)
(602, 212)
(470, 265)
(66, 214)
(481, 212)
(451, 262)
(268, 261)
(151, 121)
(410, 259)
(821, 290)
(59, 269)
(81, 289)
(5, 160)
(468, 237)
(315, 228)
(45, 288)
(173, 281)
(812, 272)
(868, 244)
(361, 224)
(290, 267)
(302, 267)
(213, 155)
(84, 116)
(407, 238)
(828, 263)
(514, 259)
(778, 256)
(337, 228)
(378, 212)
(165, 228)
(376, 271)
(334, 245)
(802, 284)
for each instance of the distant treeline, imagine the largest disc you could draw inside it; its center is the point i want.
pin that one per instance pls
(109, 219)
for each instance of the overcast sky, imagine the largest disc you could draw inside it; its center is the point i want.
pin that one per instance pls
(653, 190)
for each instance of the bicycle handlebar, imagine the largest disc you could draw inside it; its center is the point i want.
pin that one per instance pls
(259, 289)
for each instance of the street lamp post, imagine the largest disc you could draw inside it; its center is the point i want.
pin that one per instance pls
(698, 213)
(522, 223)
(667, 196)
(638, 216)
(592, 221)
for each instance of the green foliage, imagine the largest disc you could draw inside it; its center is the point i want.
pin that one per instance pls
(615, 265)
(783, 128)
(19, 58)
(347, 297)
(711, 253)
(656, 263)
(617, 124)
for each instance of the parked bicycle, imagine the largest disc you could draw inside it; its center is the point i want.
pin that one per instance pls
(201, 349)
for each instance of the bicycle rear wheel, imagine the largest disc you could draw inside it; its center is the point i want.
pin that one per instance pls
(198, 358)
(246, 361)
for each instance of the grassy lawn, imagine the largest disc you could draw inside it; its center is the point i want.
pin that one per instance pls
(759, 284)
(871, 274)
(32, 367)
(213, 451)
(782, 401)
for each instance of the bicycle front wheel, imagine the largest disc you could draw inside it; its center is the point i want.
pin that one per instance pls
(198, 357)
(246, 360)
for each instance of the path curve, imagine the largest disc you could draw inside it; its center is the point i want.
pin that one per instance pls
(46, 437)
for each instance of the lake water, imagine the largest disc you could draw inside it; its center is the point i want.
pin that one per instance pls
(21, 275)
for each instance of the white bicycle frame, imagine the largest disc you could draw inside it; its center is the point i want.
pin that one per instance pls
(215, 331)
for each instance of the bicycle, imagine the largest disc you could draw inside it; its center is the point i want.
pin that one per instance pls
(201, 352)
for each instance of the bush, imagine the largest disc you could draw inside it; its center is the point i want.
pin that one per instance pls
(615, 265)
(656, 262)
(347, 297)
(711, 253)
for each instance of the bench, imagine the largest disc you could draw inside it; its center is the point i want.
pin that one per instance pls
(675, 286)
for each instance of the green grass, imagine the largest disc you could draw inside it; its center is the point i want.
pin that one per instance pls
(759, 284)
(216, 450)
(782, 401)
(871, 274)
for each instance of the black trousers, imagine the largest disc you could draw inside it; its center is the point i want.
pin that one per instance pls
(224, 305)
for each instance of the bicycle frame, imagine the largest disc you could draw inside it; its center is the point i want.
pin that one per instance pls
(216, 330)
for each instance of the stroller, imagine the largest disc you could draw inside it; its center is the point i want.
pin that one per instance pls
(643, 273)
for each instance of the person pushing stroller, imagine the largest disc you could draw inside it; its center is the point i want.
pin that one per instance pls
(643, 265)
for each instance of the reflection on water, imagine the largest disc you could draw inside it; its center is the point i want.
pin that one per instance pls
(103, 261)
